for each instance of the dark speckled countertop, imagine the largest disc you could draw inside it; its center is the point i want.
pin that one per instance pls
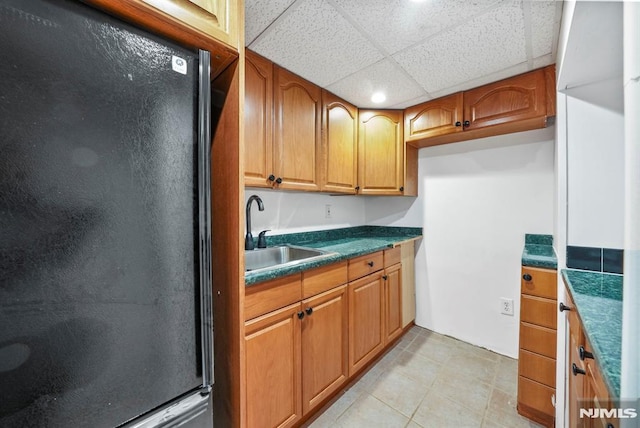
(538, 252)
(598, 298)
(346, 243)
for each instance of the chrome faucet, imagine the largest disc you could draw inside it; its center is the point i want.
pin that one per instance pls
(248, 239)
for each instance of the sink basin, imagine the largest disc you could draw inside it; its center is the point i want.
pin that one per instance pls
(284, 255)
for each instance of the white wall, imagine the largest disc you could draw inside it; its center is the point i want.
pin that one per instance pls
(630, 384)
(595, 151)
(289, 212)
(477, 200)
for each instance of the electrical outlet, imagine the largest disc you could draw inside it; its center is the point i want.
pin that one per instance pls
(327, 211)
(506, 306)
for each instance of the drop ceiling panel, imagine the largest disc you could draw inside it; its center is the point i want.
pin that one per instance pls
(489, 78)
(358, 87)
(483, 46)
(417, 51)
(397, 24)
(542, 25)
(260, 13)
(316, 42)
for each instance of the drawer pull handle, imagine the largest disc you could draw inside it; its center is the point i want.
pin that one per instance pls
(563, 307)
(576, 371)
(370, 264)
(584, 353)
(527, 277)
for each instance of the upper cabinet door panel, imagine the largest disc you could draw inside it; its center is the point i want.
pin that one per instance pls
(214, 18)
(258, 106)
(339, 145)
(433, 118)
(380, 152)
(297, 131)
(518, 98)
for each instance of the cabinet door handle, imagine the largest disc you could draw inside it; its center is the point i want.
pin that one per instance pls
(527, 277)
(271, 177)
(309, 311)
(576, 371)
(402, 188)
(563, 307)
(278, 180)
(385, 277)
(300, 315)
(584, 353)
(458, 123)
(370, 264)
(467, 123)
(357, 188)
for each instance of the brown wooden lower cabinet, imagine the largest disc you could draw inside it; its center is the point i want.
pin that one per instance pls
(366, 310)
(537, 356)
(587, 389)
(392, 302)
(298, 355)
(324, 346)
(272, 346)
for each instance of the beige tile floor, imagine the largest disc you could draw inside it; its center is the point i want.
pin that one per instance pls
(431, 380)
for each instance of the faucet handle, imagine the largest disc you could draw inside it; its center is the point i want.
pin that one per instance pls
(262, 240)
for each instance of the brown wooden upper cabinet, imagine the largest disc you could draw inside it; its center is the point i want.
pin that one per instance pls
(515, 104)
(299, 136)
(296, 134)
(381, 152)
(282, 116)
(258, 107)
(434, 118)
(339, 145)
(213, 18)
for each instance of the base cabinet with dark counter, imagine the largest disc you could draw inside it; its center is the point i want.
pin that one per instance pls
(308, 333)
(538, 326)
(590, 403)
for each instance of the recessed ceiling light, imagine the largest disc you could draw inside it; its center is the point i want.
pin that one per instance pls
(378, 97)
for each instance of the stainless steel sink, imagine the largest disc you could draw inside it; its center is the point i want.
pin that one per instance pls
(284, 255)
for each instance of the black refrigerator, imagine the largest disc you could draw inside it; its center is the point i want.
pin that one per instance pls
(105, 268)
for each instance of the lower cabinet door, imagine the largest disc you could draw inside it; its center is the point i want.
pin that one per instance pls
(366, 335)
(273, 368)
(393, 302)
(324, 346)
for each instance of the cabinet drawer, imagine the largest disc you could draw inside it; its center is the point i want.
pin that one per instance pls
(539, 311)
(392, 256)
(263, 298)
(536, 395)
(364, 265)
(537, 367)
(324, 278)
(540, 340)
(543, 282)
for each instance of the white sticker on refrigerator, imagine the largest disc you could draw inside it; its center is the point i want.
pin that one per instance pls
(178, 64)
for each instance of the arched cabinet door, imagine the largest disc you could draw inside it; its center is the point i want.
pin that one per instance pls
(296, 138)
(515, 99)
(339, 145)
(258, 106)
(381, 152)
(434, 118)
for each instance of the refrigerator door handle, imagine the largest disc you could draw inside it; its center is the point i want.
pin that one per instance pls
(204, 178)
